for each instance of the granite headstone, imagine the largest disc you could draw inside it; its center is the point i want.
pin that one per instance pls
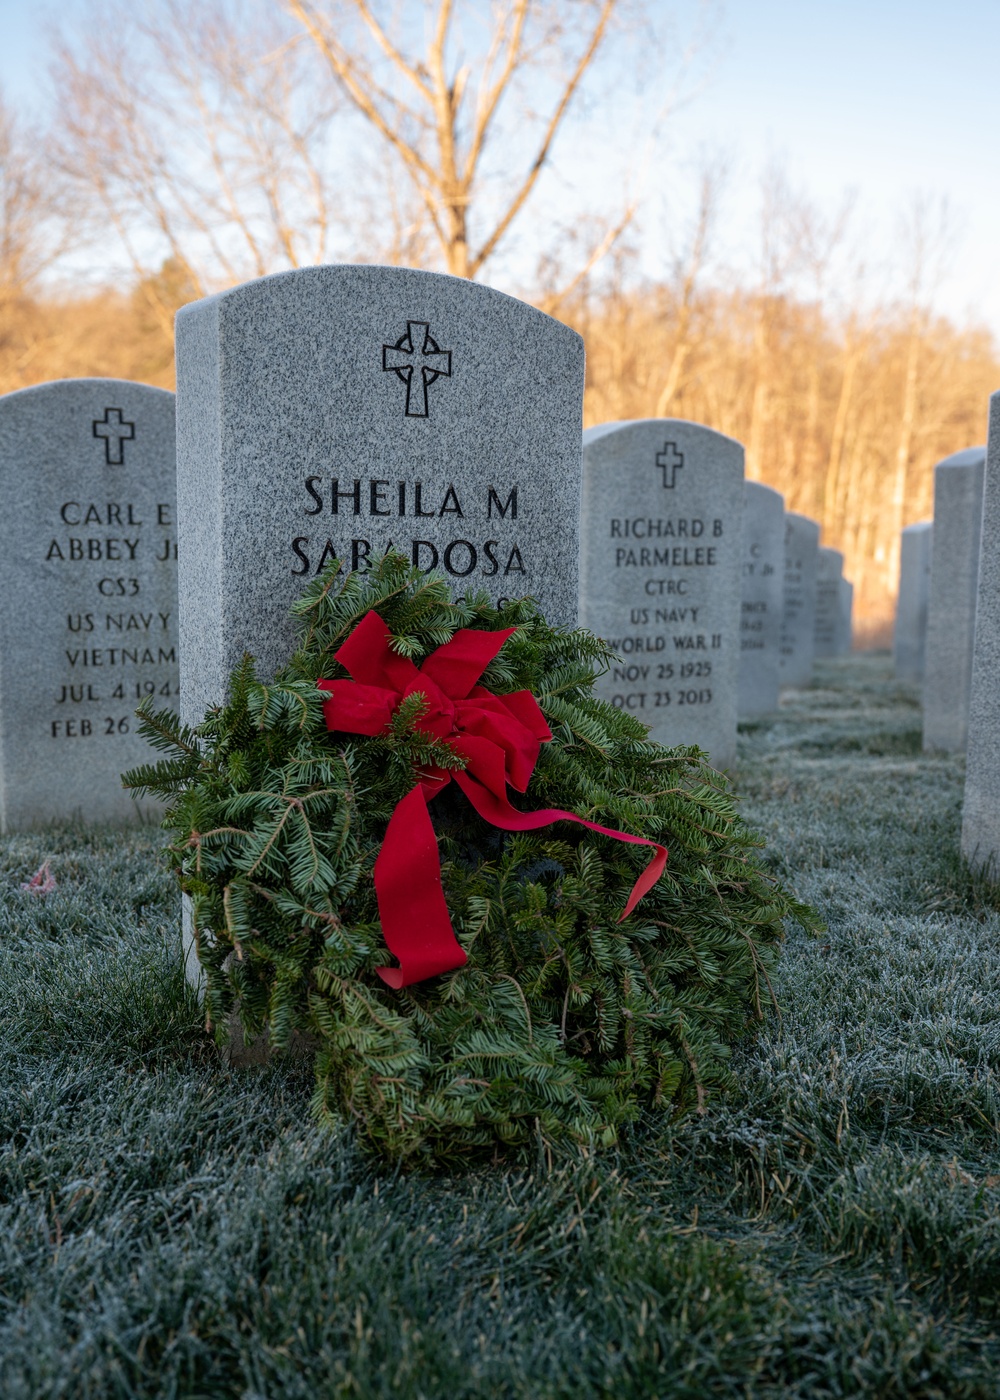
(981, 811)
(798, 623)
(88, 572)
(909, 636)
(761, 599)
(951, 610)
(845, 622)
(829, 572)
(660, 566)
(333, 412)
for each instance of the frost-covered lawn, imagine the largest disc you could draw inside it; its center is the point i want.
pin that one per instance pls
(169, 1228)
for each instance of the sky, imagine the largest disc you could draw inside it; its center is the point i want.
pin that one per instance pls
(885, 97)
(890, 97)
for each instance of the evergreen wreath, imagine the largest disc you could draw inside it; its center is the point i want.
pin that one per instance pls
(564, 1024)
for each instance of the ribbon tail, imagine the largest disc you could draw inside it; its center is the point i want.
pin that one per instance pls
(496, 809)
(411, 903)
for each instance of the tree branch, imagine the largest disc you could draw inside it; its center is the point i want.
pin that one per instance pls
(519, 200)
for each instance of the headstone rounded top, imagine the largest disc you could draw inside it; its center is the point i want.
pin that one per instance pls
(919, 527)
(804, 523)
(832, 556)
(600, 430)
(765, 493)
(968, 457)
(88, 385)
(335, 412)
(353, 281)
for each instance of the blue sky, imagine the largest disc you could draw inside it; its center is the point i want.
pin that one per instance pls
(889, 97)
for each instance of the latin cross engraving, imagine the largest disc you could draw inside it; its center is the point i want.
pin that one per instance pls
(670, 462)
(418, 360)
(116, 432)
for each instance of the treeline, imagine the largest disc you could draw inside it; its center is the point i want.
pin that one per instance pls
(193, 144)
(846, 420)
(106, 332)
(845, 417)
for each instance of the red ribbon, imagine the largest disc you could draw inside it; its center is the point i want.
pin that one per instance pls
(499, 737)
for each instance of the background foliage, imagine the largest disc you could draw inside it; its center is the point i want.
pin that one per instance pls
(191, 144)
(564, 1024)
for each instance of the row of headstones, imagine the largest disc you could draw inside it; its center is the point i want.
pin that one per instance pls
(673, 631)
(795, 606)
(948, 630)
(936, 603)
(334, 412)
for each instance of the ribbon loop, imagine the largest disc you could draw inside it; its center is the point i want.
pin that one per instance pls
(499, 736)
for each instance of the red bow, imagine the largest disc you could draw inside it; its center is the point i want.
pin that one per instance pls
(499, 737)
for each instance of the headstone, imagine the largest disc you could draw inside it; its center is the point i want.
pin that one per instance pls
(761, 599)
(829, 571)
(333, 412)
(910, 634)
(798, 623)
(951, 610)
(88, 574)
(981, 813)
(845, 628)
(660, 566)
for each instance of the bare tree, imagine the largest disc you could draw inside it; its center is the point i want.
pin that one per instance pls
(34, 213)
(200, 135)
(438, 110)
(928, 238)
(208, 134)
(688, 270)
(36, 229)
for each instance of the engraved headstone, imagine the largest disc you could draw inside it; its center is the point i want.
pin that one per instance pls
(981, 811)
(910, 633)
(333, 412)
(762, 599)
(798, 623)
(951, 610)
(660, 567)
(88, 573)
(829, 572)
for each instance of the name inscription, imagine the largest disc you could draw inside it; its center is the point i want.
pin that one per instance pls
(474, 551)
(672, 552)
(82, 544)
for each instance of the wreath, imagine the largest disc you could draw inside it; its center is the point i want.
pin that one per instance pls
(476, 975)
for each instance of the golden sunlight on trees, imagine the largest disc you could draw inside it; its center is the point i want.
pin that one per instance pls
(197, 143)
(837, 400)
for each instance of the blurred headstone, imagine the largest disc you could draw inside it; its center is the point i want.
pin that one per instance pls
(951, 609)
(761, 599)
(845, 631)
(981, 811)
(88, 573)
(829, 572)
(910, 633)
(798, 623)
(661, 559)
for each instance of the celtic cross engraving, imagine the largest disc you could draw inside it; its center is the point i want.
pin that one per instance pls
(418, 360)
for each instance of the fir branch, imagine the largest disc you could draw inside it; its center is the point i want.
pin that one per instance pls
(563, 1021)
